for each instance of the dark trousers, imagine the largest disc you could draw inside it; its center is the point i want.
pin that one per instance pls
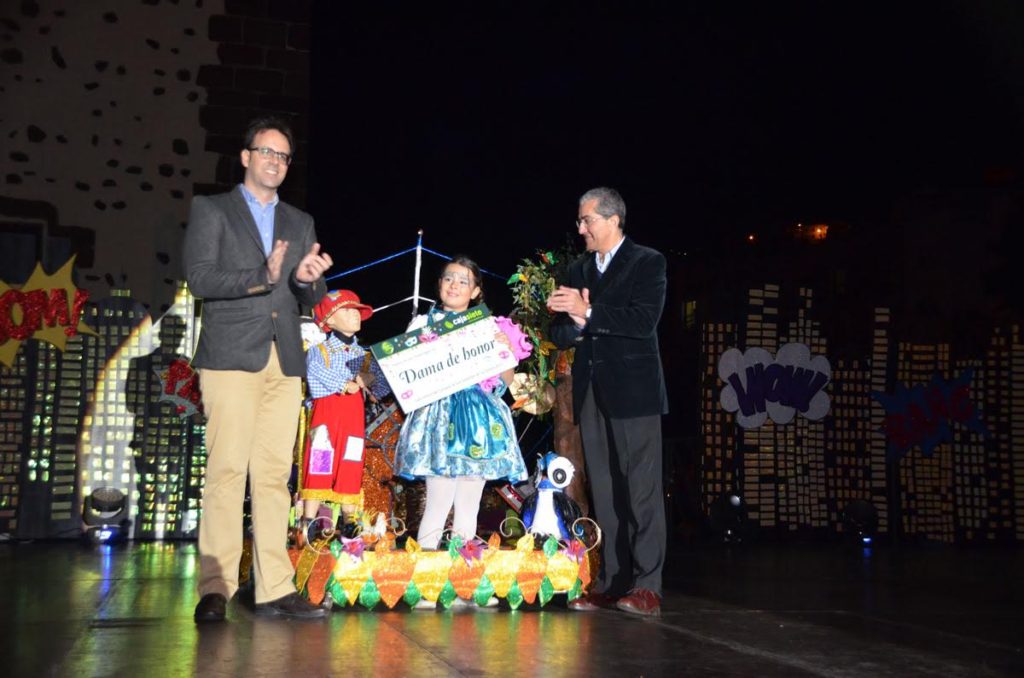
(624, 469)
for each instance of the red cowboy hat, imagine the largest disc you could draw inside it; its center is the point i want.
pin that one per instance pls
(332, 301)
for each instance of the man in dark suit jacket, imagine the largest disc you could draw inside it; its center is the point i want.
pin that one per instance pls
(611, 308)
(254, 260)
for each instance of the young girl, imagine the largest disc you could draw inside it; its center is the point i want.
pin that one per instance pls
(461, 441)
(338, 371)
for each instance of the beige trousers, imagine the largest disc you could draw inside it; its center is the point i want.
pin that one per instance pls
(252, 422)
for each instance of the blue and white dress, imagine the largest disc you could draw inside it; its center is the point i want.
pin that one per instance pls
(467, 434)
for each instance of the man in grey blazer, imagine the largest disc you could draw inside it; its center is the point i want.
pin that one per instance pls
(610, 310)
(254, 260)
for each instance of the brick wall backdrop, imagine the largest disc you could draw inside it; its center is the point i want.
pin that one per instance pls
(117, 112)
(263, 66)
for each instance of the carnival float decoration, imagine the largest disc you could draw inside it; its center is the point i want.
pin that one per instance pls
(369, 569)
(378, 563)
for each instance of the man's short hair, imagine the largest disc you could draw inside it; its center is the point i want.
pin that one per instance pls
(265, 122)
(609, 203)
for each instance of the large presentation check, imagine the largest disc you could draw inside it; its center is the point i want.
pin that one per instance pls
(433, 362)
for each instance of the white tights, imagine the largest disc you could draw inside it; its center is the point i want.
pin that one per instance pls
(442, 493)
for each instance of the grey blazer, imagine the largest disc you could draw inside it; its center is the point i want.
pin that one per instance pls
(225, 265)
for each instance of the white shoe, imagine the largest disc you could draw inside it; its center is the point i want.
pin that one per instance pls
(425, 604)
(462, 602)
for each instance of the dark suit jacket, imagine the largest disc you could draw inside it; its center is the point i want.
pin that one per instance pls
(226, 265)
(618, 348)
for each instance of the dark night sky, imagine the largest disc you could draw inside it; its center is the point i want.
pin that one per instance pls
(483, 125)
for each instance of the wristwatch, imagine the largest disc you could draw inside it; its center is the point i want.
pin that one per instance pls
(586, 314)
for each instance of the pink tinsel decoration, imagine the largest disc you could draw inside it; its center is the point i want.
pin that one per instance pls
(490, 383)
(522, 347)
(353, 547)
(576, 550)
(472, 550)
(520, 344)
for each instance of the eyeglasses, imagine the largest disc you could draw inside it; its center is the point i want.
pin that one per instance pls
(265, 153)
(589, 220)
(461, 280)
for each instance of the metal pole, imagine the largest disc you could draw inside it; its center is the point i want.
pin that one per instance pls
(416, 281)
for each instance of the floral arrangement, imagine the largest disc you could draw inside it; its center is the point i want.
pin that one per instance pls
(532, 284)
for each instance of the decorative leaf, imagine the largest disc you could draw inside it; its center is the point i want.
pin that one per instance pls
(369, 596)
(483, 592)
(514, 597)
(454, 544)
(546, 591)
(412, 595)
(447, 596)
(576, 591)
(337, 592)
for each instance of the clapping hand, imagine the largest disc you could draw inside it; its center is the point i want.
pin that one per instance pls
(313, 265)
(572, 301)
(275, 260)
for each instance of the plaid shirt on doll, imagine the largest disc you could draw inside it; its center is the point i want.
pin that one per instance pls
(333, 363)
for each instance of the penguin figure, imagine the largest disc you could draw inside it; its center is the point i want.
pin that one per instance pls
(549, 511)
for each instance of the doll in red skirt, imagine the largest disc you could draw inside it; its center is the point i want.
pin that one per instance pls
(340, 373)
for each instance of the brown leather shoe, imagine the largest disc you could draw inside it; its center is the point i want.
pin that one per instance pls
(211, 608)
(292, 605)
(641, 601)
(592, 601)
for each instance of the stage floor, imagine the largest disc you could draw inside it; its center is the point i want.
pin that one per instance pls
(755, 610)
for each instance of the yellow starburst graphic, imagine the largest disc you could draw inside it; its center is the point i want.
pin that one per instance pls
(47, 308)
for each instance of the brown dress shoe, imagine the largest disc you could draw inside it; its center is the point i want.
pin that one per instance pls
(292, 605)
(592, 601)
(211, 608)
(641, 601)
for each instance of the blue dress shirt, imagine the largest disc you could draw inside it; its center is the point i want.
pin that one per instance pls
(264, 216)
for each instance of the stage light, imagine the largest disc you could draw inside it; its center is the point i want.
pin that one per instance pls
(728, 517)
(105, 516)
(860, 521)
